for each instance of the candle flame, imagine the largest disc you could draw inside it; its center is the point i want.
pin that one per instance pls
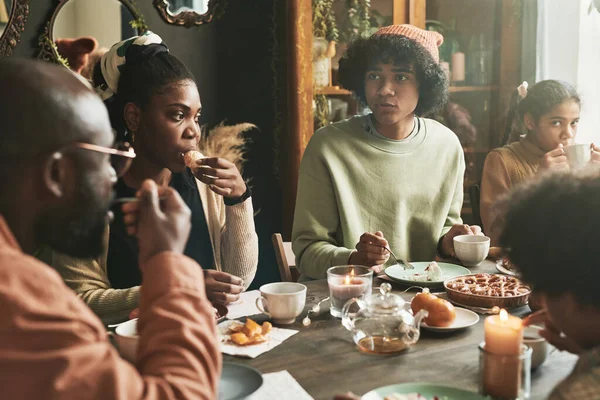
(347, 280)
(503, 315)
(352, 272)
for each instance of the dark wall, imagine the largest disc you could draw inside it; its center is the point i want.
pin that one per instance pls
(251, 80)
(239, 63)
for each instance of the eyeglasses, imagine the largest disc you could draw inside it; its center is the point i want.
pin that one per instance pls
(121, 154)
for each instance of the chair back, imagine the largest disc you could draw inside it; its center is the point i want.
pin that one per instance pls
(286, 260)
(474, 195)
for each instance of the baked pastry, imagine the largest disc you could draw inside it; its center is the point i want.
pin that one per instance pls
(488, 285)
(249, 333)
(441, 312)
(487, 290)
(191, 157)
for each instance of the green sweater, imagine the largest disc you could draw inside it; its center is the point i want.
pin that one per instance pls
(352, 181)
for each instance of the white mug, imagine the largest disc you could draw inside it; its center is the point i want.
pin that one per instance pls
(471, 249)
(282, 301)
(539, 345)
(578, 155)
(126, 338)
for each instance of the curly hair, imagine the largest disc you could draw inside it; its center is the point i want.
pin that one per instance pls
(551, 233)
(363, 53)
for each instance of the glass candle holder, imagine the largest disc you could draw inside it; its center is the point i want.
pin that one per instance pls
(347, 282)
(505, 376)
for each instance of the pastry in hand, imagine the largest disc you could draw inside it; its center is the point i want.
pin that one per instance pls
(191, 157)
(441, 312)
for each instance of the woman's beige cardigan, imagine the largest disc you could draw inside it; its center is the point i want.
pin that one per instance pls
(235, 250)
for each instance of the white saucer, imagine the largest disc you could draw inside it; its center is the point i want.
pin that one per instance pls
(464, 319)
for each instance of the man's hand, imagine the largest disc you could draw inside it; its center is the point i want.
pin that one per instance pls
(160, 225)
(554, 160)
(221, 176)
(370, 251)
(447, 247)
(551, 333)
(221, 287)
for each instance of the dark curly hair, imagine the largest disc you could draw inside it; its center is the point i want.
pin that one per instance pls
(551, 230)
(363, 53)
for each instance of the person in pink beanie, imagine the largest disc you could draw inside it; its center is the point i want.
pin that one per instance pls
(391, 179)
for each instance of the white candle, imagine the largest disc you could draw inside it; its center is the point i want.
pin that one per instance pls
(503, 341)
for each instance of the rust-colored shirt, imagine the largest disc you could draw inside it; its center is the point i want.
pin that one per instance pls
(52, 346)
(505, 168)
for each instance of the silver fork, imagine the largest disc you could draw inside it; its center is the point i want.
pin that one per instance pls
(406, 264)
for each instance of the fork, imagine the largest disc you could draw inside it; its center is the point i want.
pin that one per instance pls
(406, 264)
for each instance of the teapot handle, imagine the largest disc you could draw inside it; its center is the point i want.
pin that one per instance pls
(347, 318)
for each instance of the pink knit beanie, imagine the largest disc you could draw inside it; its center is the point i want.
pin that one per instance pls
(430, 40)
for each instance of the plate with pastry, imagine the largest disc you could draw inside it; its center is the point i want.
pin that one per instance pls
(420, 391)
(504, 266)
(443, 316)
(426, 274)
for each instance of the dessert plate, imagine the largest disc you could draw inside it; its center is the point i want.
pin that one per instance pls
(413, 277)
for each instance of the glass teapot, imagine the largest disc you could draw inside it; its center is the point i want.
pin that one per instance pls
(382, 325)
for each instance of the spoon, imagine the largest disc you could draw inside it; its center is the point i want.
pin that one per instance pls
(405, 264)
(133, 199)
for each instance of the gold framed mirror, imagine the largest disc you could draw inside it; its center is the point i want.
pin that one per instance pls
(13, 16)
(80, 31)
(190, 13)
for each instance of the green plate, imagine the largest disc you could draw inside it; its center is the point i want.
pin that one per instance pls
(398, 273)
(426, 390)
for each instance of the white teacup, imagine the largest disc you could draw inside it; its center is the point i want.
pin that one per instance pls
(471, 250)
(539, 345)
(126, 337)
(282, 301)
(578, 155)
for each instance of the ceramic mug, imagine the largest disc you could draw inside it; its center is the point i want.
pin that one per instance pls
(471, 250)
(126, 339)
(539, 345)
(282, 301)
(578, 155)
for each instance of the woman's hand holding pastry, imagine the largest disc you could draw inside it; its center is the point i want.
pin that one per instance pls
(221, 175)
(370, 251)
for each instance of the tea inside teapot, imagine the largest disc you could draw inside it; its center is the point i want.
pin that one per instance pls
(382, 325)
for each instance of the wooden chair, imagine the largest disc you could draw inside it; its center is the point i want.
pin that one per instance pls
(286, 260)
(474, 197)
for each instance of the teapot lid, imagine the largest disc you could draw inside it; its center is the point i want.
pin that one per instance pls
(386, 302)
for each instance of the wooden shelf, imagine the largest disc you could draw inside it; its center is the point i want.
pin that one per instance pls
(472, 89)
(333, 90)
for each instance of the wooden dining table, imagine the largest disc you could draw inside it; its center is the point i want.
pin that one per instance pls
(325, 361)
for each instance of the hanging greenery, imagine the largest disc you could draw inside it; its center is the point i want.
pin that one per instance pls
(321, 111)
(357, 22)
(323, 22)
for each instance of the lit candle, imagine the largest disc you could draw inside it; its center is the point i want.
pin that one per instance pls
(503, 337)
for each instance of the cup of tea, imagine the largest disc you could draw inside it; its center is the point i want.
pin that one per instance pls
(471, 250)
(282, 301)
(578, 155)
(538, 344)
(126, 338)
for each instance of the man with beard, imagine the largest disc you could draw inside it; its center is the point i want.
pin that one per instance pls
(55, 165)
